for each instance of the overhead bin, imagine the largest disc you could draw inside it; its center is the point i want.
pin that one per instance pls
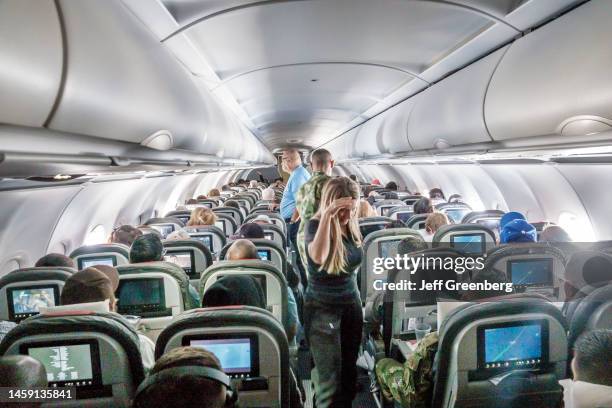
(450, 113)
(556, 80)
(31, 62)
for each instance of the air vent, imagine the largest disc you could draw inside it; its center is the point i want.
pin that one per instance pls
(160, 140)
(584, 126)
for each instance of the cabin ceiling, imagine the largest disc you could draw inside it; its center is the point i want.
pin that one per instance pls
(301, 72)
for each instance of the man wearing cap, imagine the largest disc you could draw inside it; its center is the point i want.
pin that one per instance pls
(309, 197)
(517, 231)
(92, 285)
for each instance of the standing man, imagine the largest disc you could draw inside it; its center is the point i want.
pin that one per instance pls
(309, 196)
(292, 163)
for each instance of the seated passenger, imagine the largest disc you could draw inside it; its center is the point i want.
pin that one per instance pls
(22, 373)
(365, 210)
(235, 290)
(508, 217)
(518, 231)
(125, 234)
(250, 230)
(592, 381)
(178, 235)
(423, 206)
(433, 222)
(191, 201)
(214, 193)
(436, 195)
(268, 194)
(201, 197)
(391, 194)
(149, 248)
(411, 244)
(262, 219)
(253, 184)
(455, 198)
(245, 249)
(90, 286)
(553, 234)
(51, 260)
(188, 390)
(202, 216)
(232, 203)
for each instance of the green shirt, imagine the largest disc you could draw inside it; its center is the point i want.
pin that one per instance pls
(307, 204)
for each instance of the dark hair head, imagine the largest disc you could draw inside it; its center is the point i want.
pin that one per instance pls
(423, 206)
(22, 372)
(321, 159)
(191, 201)
(353, 177)
(55, 260)
(436, 193)
(411, 244)
(251, 230)
(491, 275)
(191, 391)
(592, 356)
(125, 234)
(232, 203)
(88, 285)
(392, 186)
(554, 233)
(147, 248)
(235, 290)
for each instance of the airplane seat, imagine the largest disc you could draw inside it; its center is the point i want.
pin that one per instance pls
(244, 202)
(503, 354)
(273, 282)
(256, 192)
(274, 233)
(27, 282)
(211, 236)
(471, 239)
(454, 211)
(101, 254)
(384, 206)
(265, 379)
(155, 291)
(233, 212)
(591, 312)
(191, 255)
(165, 225)
(530, 267)
(411, 199)
(260, 207)
(586, 269)
(209, 203)
(402, 306)
(417, 221)
(182, 215)
(401, 213)
(380, 244)
(98, 353)
(267, 250)
(488, 218)
(368, 225)
(226, 223)
(276, 218)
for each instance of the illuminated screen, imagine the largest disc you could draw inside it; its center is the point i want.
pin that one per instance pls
(269, 236)
(183, 259)
(67, 364)
(237, 353)
(513, 345)
(470, 244)
(220, 225)
(456, 215)
(388, 249)
(141, 296)
(87, 262)
(206, 240)
(164, 229)
(264, 254)
(25, 302)
(531, 272)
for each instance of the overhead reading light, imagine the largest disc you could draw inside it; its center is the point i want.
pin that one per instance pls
(62, 177)
(160, 140)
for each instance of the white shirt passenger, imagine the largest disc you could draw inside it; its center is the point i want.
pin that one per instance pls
(579, 394)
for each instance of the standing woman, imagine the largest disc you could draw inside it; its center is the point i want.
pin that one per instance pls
(333, 317)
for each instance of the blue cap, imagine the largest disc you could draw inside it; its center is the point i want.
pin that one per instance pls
(510, 216)
(518, 231)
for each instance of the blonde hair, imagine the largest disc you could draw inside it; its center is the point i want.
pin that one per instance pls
(434, 221)
(214, 193)
(365, 209)
(334, 189)
(202, 216)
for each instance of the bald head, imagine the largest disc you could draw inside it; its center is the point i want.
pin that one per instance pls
(291, 159)
(321, 160)
(242, 249)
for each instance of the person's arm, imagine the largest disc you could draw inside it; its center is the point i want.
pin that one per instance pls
(295, 216)
(319, 248)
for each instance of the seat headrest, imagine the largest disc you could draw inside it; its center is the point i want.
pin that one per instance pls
(585, 309)
(164, 220)
(36, 274)
(101, 248)
(98, 307)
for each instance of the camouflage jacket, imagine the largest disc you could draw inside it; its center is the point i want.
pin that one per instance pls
(307, 204)
(411, 383)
